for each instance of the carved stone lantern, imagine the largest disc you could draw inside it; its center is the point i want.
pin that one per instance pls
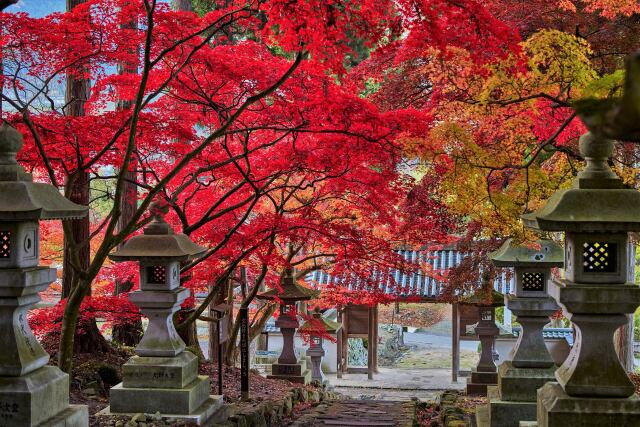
(161, 377)
(32, 393)
(531, 365)
(317, 327)
(485, 373)
(596, 214)
(288, 367)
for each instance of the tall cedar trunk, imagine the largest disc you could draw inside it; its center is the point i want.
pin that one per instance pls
(129, 333)
(189, 333)
(76, 95)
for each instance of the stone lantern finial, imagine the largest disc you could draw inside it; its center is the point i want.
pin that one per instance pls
(11, 143)
(158, 209)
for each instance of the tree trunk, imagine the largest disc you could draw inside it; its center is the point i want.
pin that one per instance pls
(76, 95)
(127, 334)
(183, 5)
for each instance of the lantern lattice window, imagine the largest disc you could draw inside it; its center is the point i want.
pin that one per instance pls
(5, 244)
(157, 274)
(599, 257)
(533, 281)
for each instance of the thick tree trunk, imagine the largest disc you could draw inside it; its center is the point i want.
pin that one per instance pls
(76, 95)
(184, 5)
(130, 333)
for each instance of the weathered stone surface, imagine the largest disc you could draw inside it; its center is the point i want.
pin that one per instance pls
(163, 372)
(484, 377)
(522, 384)
(533, 313)
(72, 416)
(592, 367)
(161, 338)
(31, 399)
(509, 414)
(296, 373)
(21, 352)
(206, 414)
(557, 409)
(181, 401)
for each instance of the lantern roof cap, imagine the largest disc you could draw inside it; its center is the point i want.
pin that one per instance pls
(318, 323)
(21, 199)
(598, 201)
(545, 253)
(291, 290)
(158, 242)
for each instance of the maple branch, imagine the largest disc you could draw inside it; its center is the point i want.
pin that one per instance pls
(6, 3)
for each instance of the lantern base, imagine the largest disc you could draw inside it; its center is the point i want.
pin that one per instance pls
(521, 384)
(514, 399)
(162, 372)
(184, 401)
(503, 414)
(557, 409)
(40, 398)
(210, 412)
(479, 381)
(296, 373)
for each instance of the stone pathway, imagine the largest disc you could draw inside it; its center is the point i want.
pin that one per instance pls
(359, 413)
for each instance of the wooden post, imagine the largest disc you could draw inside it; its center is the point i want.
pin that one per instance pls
(371, 346)
(244, 352)
(455, 342)
(339, 345)
(345, 340)
(375, 339)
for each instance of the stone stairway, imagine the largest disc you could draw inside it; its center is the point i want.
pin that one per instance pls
(360, 413)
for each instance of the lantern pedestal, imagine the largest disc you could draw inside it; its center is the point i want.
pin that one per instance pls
(288, 367)
(530, 368)
(592, 387)
(31, 393)
(316, 353)
(162, 377)
(485, 373)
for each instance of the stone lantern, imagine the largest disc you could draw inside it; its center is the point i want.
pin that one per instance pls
(288, 367)
(531, 365)
(596, 214)
(161, 377)
(485, 373)
(316, 328)
(32, 393)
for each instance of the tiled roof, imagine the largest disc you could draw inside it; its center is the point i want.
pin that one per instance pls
(413, 284)
(552, 333)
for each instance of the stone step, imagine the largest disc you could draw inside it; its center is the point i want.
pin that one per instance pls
(484, 377)
(476, 389)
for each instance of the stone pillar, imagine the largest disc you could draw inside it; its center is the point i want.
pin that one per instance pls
(288, 366)
(316, 353)
(32, 393)
(485, 373)
(531, 367)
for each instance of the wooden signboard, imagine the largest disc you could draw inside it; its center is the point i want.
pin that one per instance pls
(358, 320)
